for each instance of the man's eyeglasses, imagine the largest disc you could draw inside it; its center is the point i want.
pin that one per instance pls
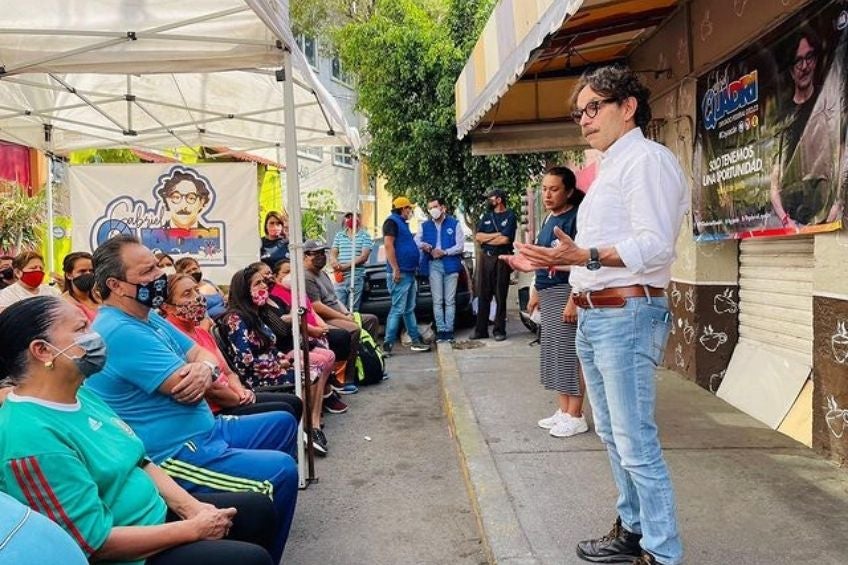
(177, 197)
(805, 60)
(314, 253)
(591, 109)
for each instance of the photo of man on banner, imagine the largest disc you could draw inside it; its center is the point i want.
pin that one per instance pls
(771, 129)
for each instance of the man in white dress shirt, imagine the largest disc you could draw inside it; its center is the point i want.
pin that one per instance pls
(621, 263)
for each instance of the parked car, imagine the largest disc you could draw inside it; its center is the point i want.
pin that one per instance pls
(376, 299)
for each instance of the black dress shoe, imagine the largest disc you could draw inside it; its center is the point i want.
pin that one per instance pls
(500, 336)
(618, 546)
(646, 559)
(477, 335)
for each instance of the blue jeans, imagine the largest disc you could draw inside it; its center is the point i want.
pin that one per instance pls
(619, 349)
(443, 289)
(343, 291)
(403, 307)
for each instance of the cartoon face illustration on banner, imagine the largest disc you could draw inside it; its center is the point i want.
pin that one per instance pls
(176, 220)
(184, 197)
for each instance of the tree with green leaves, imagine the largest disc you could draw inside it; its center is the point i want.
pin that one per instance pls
(406, 56)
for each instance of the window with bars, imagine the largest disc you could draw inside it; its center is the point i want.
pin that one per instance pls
(343, 156)
(311, 153)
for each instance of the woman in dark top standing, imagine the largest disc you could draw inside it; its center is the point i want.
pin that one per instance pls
(275, 244)
(560, 369)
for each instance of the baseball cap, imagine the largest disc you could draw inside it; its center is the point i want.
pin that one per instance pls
(497, 192)
(314, 245)
(402, 202)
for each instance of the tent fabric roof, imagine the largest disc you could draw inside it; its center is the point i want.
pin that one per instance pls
(531, 82)
(155, 74)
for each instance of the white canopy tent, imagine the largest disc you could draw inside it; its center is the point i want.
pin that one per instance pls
(159, 74)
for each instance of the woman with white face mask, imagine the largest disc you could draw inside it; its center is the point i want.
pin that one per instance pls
(66, 453)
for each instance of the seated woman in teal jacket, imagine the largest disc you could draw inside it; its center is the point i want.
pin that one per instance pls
(67, 455)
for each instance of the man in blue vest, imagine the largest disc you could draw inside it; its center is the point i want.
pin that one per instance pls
(441, 241)
(402, 257)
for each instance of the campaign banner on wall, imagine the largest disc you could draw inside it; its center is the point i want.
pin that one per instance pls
(770, 154)
(204, 211)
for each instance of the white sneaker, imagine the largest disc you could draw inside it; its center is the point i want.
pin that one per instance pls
(550, 422)
(570, 426)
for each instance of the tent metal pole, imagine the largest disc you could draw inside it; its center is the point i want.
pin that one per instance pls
(353, 256)
(51, 251)
(298, 282)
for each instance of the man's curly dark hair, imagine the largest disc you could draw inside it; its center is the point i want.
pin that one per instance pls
(620, 83)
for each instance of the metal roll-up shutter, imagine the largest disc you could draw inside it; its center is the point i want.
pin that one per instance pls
(776, 294)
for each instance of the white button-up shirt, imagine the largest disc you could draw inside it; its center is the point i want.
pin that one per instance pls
(636, 204)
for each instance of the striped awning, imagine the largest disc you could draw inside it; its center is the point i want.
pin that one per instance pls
(531, 53)
(514, 30)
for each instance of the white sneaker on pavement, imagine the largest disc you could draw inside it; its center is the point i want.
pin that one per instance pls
(551, 421)
(570, 426)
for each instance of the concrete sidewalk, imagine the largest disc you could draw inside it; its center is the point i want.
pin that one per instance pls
(746, 494)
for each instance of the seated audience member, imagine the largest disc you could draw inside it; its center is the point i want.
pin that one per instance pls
(261, 358)
(320, 290)
(155, 378)
(165, 262)
(79, 283)
(29, 270)
(216, 302)
(68, 455)
(274, 246)
(338, 341)
(185, 309)
(7, 271)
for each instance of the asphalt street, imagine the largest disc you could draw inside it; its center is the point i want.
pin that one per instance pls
(391, 490)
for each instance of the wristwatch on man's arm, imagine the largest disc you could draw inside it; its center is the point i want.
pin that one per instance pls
(594, 259)
(216, 370)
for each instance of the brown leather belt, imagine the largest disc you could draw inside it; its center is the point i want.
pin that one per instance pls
(615, 297)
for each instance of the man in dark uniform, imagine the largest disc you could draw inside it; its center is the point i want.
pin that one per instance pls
(495, 234)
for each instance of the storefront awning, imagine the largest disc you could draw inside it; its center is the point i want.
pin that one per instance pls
(513, 93)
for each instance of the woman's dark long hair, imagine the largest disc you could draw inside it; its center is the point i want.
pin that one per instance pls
(569, 181)
(20, 324)
(241, 303)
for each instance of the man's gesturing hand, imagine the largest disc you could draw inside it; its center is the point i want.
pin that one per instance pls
(566, 253)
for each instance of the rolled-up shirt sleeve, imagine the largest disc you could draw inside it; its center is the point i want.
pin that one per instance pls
(654, 213)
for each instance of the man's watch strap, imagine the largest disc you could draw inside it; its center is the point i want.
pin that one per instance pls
(594, 259)
(216, 370)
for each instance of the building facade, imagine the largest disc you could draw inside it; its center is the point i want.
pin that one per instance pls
(760, 321)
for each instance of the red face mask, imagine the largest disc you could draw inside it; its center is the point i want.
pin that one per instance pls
(32, 278)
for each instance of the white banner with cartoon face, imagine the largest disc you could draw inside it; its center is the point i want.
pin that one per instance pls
(204, 211)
